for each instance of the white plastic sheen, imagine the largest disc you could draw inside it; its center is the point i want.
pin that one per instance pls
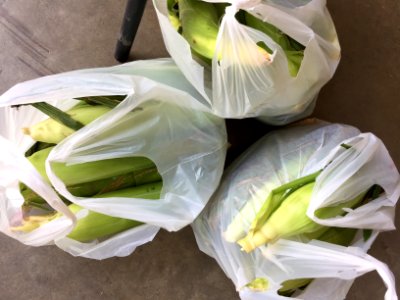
(243, 83)
(169, 125)
(283, 156)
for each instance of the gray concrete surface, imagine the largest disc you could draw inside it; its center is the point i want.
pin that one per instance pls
(44, 37)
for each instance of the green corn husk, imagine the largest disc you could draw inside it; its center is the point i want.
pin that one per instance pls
(290, 218)
(142, 169)
(95, 225)
(53, 130)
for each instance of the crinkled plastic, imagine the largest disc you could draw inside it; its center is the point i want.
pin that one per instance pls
(242, 83)
(281, 157)
(169, 125)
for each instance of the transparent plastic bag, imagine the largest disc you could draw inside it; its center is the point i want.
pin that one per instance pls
(281, 157)
(170, 126)
(242, 83)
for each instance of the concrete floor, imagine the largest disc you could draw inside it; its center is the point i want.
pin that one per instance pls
(44, 37)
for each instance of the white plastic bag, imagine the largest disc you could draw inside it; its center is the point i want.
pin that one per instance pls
(172, 128)
(281, 157)
(243, 83)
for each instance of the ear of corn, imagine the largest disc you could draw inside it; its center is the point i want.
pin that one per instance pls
(52, 131)
(292, 209)
(149, 191)
(237, 228)
(290, 218)
(236, 231)
(142, 169)
(95, 225)
(129, 177)
(90, 179)
(198, 22)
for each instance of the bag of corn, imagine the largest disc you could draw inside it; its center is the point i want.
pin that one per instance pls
(302, 205)
(251, 57)
(128, 150)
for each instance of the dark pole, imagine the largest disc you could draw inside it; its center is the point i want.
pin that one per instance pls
(130, 24)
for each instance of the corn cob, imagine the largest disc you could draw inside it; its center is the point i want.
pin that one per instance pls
(96, 225)
(141, 170)
(290, 218)
(89, 189)
(236, 228)
(199, 24)
(52, 131)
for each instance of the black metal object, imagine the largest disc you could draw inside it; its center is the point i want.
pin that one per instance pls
(130, 24)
